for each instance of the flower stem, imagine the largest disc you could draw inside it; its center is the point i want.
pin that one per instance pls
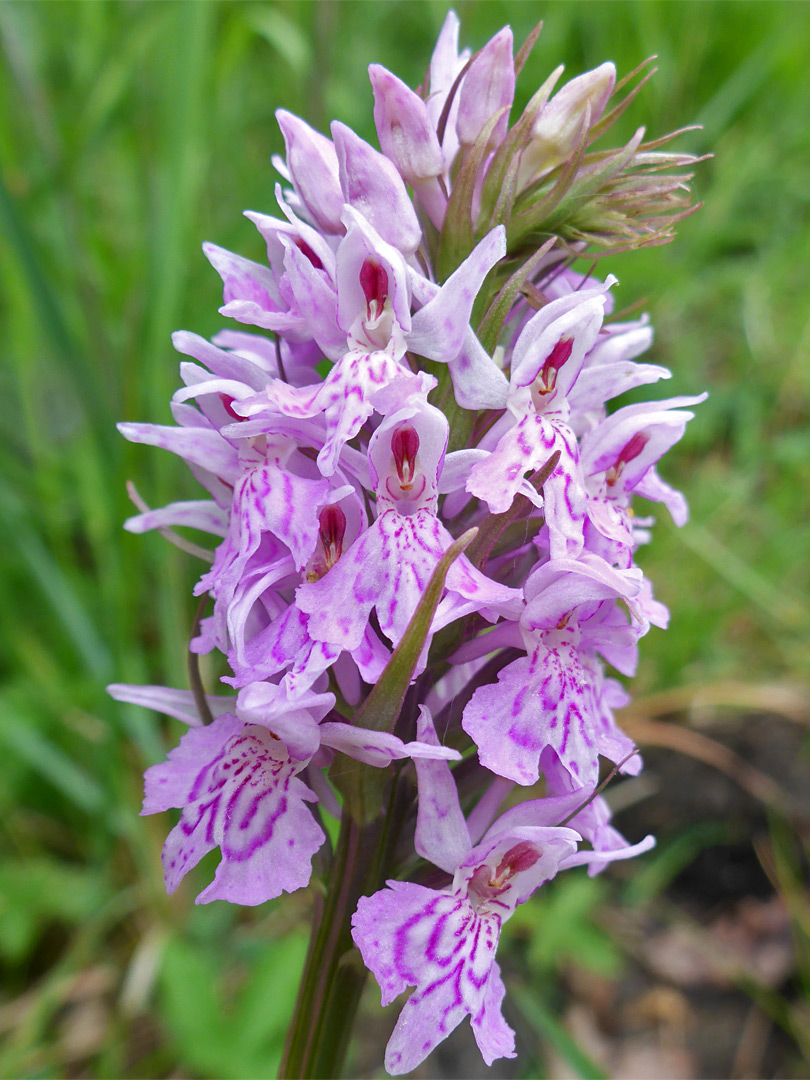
(333, 977)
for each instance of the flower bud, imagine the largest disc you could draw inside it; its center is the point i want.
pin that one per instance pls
(372, 185)
(488, 87)
(404, 129)
(557, 128)
(313, 166)
(408, 137)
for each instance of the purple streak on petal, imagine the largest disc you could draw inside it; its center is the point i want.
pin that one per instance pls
(274, 648)
(538, 701)
(388, 568)
(292, 720)
(238, 792)
(345, 398)
(169, 784)
(492, 1033)
(523, 449)
(411, 936)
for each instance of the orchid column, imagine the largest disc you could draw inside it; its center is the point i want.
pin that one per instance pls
(421, 492)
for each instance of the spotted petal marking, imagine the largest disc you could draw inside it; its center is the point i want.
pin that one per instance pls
(244, 799)
(413, 936)
(344, 398)
(523, 449)
(538, 701)
(388, 568)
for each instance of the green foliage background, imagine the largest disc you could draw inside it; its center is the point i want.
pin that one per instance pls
(131, 132)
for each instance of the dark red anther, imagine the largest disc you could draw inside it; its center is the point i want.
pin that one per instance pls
(374, 283)
(485, 886)
(634, 447)
(517, 859)
(547, 379)
(332, 528)
(404, 447)
(631, 450)
(305, 249)
(228, 407)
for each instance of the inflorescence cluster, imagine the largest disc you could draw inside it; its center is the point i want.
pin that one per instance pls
(422, 504)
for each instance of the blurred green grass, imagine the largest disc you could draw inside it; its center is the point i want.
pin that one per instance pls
(130, 133)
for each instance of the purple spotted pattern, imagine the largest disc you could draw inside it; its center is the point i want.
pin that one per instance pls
(444, 943)
(237, 786)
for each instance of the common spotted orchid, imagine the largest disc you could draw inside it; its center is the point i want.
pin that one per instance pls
(421, 492)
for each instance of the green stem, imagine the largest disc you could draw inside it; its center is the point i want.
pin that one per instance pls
(311, 1039)
(333, 977)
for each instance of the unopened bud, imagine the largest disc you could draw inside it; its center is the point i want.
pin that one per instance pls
(313, 166)
(372, 185)
(558, 127)
(488, 87)
(404, 129)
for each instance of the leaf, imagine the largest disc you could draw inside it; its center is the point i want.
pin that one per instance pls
(286, 37)
(65, 599)
(51, 313)
(550, 213)
(561, 929)
(545, 212)
(663, 865)
(489, 329)
(20, 736)
(265, 1006)
(457, 238)
(192, 1006)
(526, 48)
